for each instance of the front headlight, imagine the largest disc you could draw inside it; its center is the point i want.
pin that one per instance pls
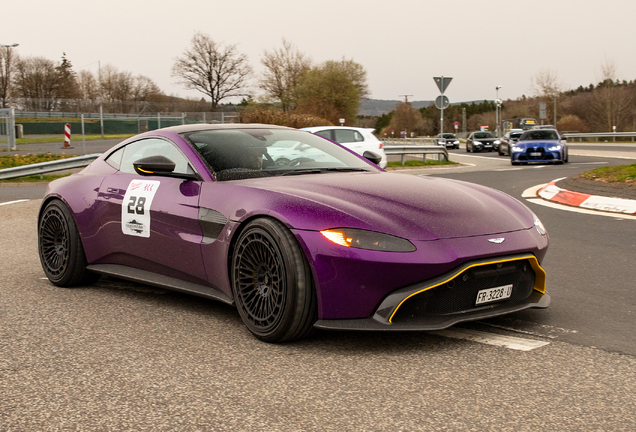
(496, 142)
(554, 148)
(477, 142)
(539, 225)
(455, 142)
(517, 149)
(370, 240)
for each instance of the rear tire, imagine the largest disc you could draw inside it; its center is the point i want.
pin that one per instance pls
(60, 247)
(272, 283)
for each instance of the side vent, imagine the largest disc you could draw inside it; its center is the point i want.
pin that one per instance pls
(212, 223)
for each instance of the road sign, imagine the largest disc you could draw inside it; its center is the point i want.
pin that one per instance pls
(542, 110)
(442, 102)
(442, 83)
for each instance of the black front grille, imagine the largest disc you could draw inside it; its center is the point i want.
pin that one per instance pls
(459, 294)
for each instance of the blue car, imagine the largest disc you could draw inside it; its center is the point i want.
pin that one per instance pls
(539, 146)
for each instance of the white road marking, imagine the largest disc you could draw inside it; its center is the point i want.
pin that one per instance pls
(533, 191)
(526, 167)
(13, 202)
(591, 163)
(509, 342)
(576, 153)
(481, 157)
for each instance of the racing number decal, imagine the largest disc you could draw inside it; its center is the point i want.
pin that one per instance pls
(135, 211)
(136, 205)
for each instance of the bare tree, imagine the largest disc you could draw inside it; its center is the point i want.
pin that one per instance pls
(283, 68)
(546, 84)
(6, 68)
(612, 103)
(37, 81)
(88, 86)
(116, 86)
(216, 71)
(145, 89)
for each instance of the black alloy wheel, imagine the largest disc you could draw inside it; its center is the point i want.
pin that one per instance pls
(272, 284)
(60, 248)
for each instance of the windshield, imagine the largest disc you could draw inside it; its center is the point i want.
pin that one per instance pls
(234, 154)
(484, 135)
(539, 135)
(449, 136)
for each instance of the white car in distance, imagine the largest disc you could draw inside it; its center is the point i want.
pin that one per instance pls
(355, 139)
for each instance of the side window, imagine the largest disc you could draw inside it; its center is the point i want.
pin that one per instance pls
(325, 134)
(153, 147)
(114, 159)
(347, 136)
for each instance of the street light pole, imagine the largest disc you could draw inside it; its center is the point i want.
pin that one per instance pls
(6, 102)
(497, 104)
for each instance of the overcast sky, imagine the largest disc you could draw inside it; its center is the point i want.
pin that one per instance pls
(402, 44)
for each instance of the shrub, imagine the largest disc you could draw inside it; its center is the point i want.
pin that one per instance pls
(282, 118)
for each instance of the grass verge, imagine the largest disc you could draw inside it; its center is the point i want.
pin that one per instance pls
(35, 178)
(612, 174)
(20, 160)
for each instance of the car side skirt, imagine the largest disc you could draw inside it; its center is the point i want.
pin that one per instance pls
(160, 281)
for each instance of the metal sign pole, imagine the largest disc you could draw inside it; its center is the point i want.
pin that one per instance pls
(11, 130)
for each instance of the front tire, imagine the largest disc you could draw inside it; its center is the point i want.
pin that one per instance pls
(272, 283)
(60, 247)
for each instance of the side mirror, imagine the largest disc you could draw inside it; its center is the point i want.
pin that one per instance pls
(159, 166)
(373, 157)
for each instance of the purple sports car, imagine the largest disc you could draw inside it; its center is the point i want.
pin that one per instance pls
(325, 240)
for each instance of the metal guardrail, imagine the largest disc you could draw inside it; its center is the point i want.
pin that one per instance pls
(408, 141)
(612, 135)
(404, 150)
(47, 167)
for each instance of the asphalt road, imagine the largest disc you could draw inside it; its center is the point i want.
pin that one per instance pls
(118, 356)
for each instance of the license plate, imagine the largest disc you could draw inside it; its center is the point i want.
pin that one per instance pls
(493, 294)
(535, 154)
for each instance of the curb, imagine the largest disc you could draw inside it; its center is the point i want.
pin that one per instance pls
(553, 193)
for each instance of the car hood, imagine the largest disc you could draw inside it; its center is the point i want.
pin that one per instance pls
(414, 207)
(538, 143)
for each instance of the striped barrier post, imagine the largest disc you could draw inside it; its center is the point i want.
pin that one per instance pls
(67, 136)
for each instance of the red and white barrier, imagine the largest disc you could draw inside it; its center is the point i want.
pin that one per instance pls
(67, 136)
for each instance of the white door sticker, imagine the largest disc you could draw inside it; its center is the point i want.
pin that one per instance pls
(135, 209)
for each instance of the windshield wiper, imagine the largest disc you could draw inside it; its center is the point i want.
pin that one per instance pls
(346, 169)
(322, 170)
(302, 171)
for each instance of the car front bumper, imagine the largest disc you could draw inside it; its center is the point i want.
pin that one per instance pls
(450, 298)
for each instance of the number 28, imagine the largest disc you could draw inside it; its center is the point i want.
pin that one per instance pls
(136, 205)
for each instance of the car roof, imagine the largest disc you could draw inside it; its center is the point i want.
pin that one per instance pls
(220, 126)
(319, 128)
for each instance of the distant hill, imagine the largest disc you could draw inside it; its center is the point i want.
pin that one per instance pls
(377, 107)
